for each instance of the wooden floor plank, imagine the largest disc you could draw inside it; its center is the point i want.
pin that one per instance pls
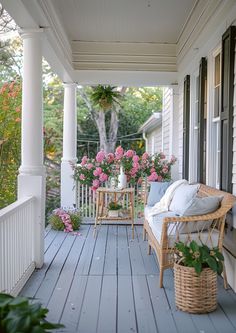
(98, 259)
(136, 259)
(38, 276)
(110, 265)
(123, 261)
(144, 312)
(46, 288)
(90, 308)
(59, 295)
(73, 305)
(49, 239)
(108, 310)
(227, 301)
(149, 260)
(162, 311)
(87, 254)
(126, 321)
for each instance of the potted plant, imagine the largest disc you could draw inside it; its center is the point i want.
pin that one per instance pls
(66, 220)
(113, 209)
(195, 270)
(17, 314)
(105, 96)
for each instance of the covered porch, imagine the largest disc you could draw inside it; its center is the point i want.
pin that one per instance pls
(79, 277)
(110, 284)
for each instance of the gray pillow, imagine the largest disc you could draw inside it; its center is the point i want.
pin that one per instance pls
(157, 190)
(183, 197)
(200, 206)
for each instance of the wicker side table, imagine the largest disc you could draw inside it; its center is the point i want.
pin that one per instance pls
(104, 196)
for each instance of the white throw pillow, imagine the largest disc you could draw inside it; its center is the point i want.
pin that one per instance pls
(183, 197)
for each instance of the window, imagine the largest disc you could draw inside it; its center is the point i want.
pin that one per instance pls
(186, 117)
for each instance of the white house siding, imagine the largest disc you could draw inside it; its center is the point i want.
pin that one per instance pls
(154, 138)
(204, 45)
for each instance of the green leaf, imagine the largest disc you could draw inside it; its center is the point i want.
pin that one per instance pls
(212, 263)
(220, 267)
(219, 255)
(198, 267)
(194, 246)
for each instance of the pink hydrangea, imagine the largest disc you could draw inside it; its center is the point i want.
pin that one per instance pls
(97, 172)
(162, 156)
(119, 152)
(84, 160)
(159, 178)
(103, 177)
(133, 171)
(96, 183)
(100, 156)
(89, 166)
(153, 177)
(152, 170)
(145, 156)
(173, 159)
(82, 177)
(135, 158)
(129, 153)
(165, 169)
(140, 180)
(110, 157)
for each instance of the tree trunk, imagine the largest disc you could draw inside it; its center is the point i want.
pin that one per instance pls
(114, 123)
(101, 126)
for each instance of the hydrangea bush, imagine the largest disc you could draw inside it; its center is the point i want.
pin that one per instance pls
(96, 172)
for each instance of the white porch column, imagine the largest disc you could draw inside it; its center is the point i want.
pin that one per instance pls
(68, 190)
(174, 130)
(31, 179)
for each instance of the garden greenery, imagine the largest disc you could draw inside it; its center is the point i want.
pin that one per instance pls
(199, 257)
(17, 315)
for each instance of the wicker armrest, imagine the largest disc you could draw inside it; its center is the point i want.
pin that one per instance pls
(221, 212)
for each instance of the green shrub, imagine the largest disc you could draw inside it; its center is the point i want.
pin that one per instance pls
(17, 315)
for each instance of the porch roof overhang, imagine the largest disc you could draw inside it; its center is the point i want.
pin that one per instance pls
(154, 121)
(115, 42)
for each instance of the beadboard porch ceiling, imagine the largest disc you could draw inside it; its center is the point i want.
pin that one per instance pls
(126, 41)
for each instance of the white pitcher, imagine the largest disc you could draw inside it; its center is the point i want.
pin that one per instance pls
(122, 179)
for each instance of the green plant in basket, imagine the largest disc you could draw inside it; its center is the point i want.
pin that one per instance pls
(67, 220)
(113, 205)
(199, 257)
(18, 315)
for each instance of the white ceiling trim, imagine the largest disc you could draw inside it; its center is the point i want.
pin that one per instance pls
(124, 56)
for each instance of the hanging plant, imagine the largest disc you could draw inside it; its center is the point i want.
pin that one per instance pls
(105, 96)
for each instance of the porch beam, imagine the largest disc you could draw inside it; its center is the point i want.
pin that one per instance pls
(69, 158)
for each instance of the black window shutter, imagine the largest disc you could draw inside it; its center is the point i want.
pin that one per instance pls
(186, 113)
(201, 160)
(226, 112)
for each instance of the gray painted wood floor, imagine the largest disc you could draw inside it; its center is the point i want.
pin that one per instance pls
(110, 284)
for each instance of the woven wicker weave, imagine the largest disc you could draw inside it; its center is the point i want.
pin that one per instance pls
(193, 293)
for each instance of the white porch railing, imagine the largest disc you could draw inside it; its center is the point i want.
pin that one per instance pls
(86, 200)
(16, 245)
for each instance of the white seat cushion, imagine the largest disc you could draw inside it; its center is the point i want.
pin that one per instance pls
(155, 223)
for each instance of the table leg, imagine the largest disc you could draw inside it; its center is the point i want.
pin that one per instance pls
(132, 212)
(97, 214)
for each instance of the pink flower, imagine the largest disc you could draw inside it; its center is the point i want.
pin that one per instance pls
(89, 166)
(82, 177)
(84, 160)
(129, 153)
(165, 169)
(162, 156)
(119, 152)
(159, 178)
(110, 157)
(140, 180)
(173, 159)
(133, 171)
(136, 165)
(152, 177)
(103, 177)
(135, 158)
(145, 156)
(152, 170)
(100, 156)
(97, 172)
(96, 183)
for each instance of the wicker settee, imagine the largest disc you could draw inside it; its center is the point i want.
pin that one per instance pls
(167, 232)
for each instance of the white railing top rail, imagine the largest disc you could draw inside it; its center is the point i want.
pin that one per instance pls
(12, 208)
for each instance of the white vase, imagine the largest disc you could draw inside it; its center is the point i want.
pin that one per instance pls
(122, 179)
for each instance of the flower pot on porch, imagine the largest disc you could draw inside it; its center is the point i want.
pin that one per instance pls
(195, 293)
(113, 213)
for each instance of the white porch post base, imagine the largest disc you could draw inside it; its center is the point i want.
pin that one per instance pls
(34, 185)
(68, 185)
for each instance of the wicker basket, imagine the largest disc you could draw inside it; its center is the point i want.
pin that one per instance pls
(193, 293)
